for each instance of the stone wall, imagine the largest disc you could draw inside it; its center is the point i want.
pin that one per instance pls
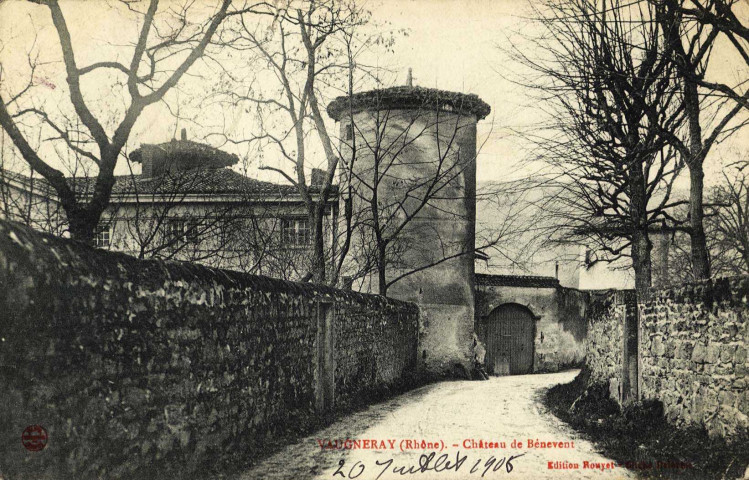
(690, 352)
(149, 369)
(604, 353)
(694, 354)
(569, 330)
(374, 347)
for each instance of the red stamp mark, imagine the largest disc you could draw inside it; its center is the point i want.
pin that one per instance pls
(46, 82)
(34, 438)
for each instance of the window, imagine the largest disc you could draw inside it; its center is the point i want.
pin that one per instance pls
(227, 233)
(103, 236)
(295, 231)
(350, 131)
(194, 229)
(175, 231)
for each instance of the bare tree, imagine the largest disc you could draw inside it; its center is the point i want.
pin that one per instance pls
(171, 216)
(156, 220)
(728, 226)
(397, 165)
(163, 52)
(513, 214)
(690, 36)
(713, 19)
(308, 48)
(28, 199)
(609, 92)
(726, 230)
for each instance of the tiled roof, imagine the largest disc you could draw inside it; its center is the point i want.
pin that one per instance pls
(483, 279)
(36, 183)
(213, 181)
(405, 97)
(198, 181)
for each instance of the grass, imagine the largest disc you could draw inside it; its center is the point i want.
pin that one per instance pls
(639, 436)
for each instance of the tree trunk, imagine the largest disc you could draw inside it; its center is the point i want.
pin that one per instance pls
(318, 254)
(697, 153)
(700, 258)
(83, 219)
(641, 245)
(82, 225)
(381, 262)
(641, 263)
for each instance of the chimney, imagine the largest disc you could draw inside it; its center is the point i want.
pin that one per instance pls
(184, 134)
(318, 177)
(147, 160)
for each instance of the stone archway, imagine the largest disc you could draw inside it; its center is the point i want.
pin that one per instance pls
(508, 334)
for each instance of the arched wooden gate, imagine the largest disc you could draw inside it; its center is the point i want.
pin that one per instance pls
(508, 334)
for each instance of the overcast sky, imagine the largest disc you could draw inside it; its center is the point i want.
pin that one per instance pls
(451, 44)
(456, 45)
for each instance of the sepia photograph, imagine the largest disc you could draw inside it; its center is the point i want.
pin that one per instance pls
(374, 239)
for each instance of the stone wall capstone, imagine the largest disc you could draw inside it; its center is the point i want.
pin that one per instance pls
(148, 369)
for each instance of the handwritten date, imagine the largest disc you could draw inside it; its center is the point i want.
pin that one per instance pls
(428, 462)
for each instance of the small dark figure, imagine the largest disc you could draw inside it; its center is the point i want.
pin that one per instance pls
(479, 352)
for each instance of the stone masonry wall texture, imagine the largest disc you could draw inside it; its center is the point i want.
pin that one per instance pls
(694, 354)
(605, 342)
(692, 349)
(147, 369)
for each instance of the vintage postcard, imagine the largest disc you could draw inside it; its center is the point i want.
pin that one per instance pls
(374, 239)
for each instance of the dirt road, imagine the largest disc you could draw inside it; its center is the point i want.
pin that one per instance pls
(470, 426)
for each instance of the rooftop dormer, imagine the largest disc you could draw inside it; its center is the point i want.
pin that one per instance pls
(180, 155)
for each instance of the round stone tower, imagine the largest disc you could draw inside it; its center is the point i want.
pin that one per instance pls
(411, 152)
